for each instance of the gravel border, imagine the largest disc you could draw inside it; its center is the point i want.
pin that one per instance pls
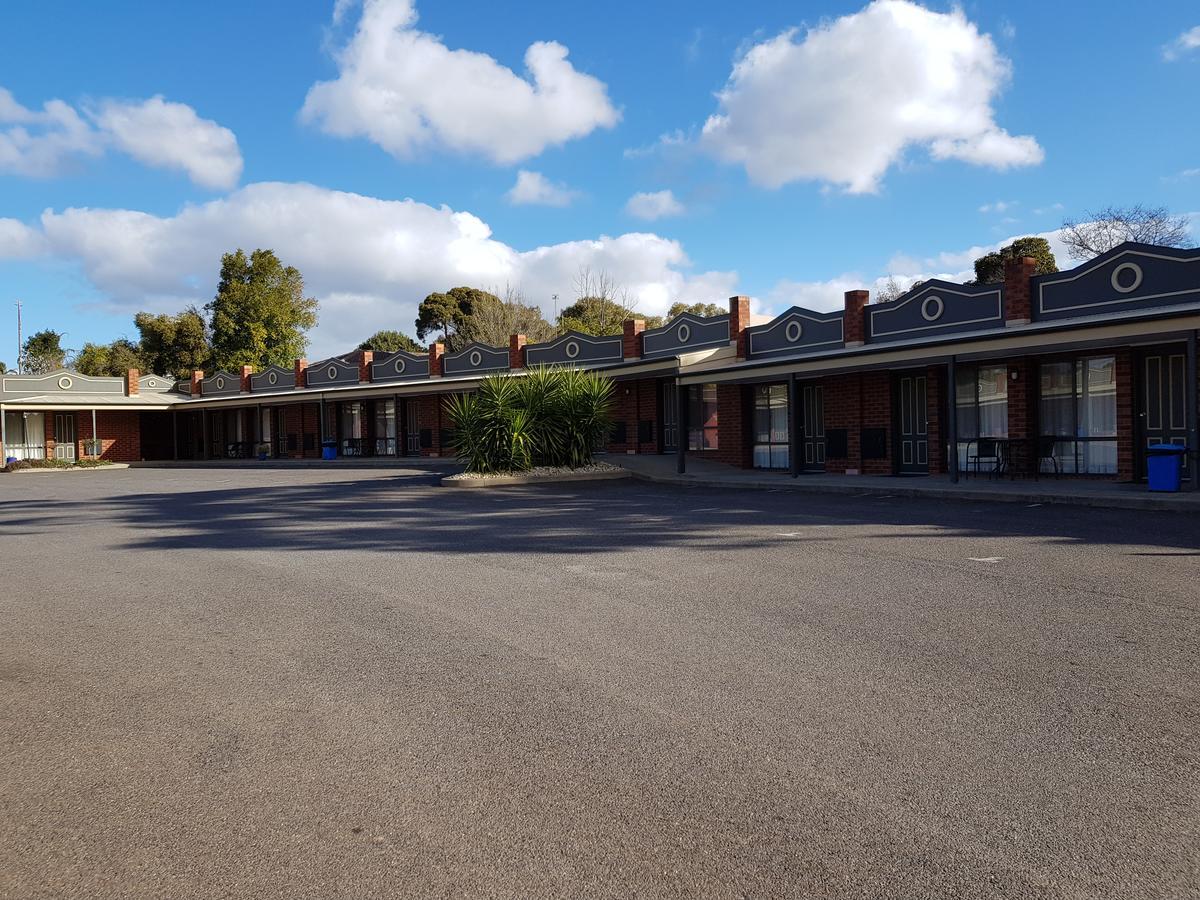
(541, 475)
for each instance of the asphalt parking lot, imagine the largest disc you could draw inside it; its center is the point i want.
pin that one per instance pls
(311, 683)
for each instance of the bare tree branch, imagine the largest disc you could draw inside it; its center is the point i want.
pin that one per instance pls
(1099, 232)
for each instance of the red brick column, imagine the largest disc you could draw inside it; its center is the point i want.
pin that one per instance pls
(436, 351)
(739, 321)
(1018, 308)
(853, 321)
(1125, 430)
(632, 341)
(365, 358)
(842, 411)
(245, 374)
(300, 371)
(516, 351)
(734, 409)
(197, 377)
(48, 434)
(876, 405)
(935, 392)
(131, 382)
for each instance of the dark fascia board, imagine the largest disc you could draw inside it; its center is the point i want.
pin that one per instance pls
(1157, 273)
(697, 333)
(589, 348)
(795, 329)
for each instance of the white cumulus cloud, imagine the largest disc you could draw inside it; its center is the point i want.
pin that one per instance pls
(842, 102)
(369, 261)
(171, 136)
(535, 189)
(406, 90)
(655, 205)
(1182, 45)
(43, 143)
(19, 241)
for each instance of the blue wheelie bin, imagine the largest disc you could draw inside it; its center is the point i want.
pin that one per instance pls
(328, 449)
(1164, 466)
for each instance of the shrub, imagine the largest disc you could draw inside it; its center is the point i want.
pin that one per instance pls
(550, 416)
(92, 463)
(17, 465)
(37, 464)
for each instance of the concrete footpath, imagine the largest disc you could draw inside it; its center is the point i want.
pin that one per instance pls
(1077, 492)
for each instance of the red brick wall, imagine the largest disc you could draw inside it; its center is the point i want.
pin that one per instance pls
(634, 401)
(431, 415)
(301, 419)
(120, 434)
(854, 402)
(935, 394)
(841, 411)
(1125, 435)
(1017, 300)
(876, 392)
(735, 410)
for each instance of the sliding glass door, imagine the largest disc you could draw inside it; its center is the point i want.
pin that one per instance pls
(1077, 408)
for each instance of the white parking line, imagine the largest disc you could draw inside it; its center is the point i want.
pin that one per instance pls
(986, 559)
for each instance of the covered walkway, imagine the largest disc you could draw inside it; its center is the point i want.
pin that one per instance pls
(1079, 492)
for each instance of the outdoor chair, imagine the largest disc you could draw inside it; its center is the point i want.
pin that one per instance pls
(1045, 450)
(986, 450)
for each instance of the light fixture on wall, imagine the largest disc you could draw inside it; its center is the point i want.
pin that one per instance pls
(1014, 374)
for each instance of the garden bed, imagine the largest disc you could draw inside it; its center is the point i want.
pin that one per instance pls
(60, 465)
(597, 471)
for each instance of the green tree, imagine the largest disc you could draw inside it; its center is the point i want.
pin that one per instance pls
(173, 345)
(600, 316)
(989, 268)
(696, 309)
(112, 359)
(260, 315)
(3, 368)
(43, 352)
(450, 314)
(387, 341)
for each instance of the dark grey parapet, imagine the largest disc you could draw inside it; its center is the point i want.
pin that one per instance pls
(333, 371)
(474, 359)
(574, 348)
(221, 384)
(936, 307)
(1128, 277)
(155, 384)
(14, 386)
(685, 333)
(796, 331)
(273, 378)
(399, 366)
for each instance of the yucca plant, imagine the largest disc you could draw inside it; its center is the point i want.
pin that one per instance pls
(549, 416)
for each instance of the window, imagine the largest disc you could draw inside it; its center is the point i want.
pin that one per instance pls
(771, 426)
(353, 428)
(385, 428)
(981, 399)
(1078, 406)
(25, 435)
(702, 417)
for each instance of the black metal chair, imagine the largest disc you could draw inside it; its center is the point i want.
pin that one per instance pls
(1045, 450)
(985, 449)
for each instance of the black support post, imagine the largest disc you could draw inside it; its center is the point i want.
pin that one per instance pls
(1189, 393)
(204, 433)
(952, 418)
(794, 425)
(681, 451)
(174, 434)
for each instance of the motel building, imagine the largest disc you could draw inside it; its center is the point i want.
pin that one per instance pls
(1069, 375)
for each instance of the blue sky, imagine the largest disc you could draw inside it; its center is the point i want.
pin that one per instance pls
(845, 142)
